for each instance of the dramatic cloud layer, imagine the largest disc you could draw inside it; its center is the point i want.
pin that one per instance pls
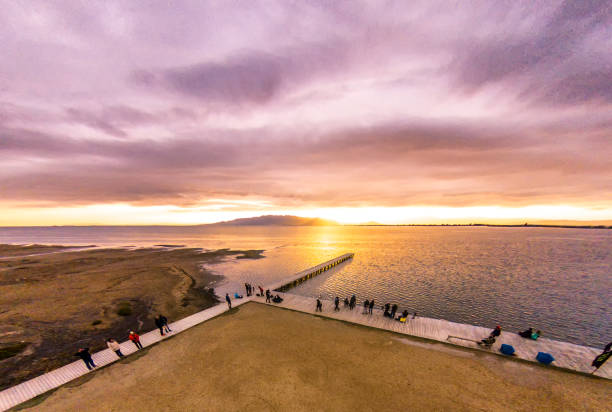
(283, 106)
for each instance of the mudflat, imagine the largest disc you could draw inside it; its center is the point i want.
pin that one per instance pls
(54, 300)
(258, 357)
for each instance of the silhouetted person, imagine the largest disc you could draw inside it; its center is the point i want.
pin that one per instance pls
(159, 324)
(393, 310)
(261, 290)
(319, 306)
(135, 338)
(366, 305)
(526, 333)
(246, 286)
(337, 304)
(268, 296)
(353, 301)
(414, 316)
(114, 346)
(496, 332)
(371, 306)
(404, 315)
(84, 354)
(228, 300)
(346, 302)
(387, 306)
(164, 321)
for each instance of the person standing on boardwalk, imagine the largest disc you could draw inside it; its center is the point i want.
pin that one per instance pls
(319, 306)
(135, 338)
(164, 321)
(393, 310)
(336, 304)
(353, 301)
(228, 300)
(366, 305)
(114, 346)
(261, 290)
(84, 354)
(159, 324)
(268, 296)
(387, 306)
(246, 286)
(371, 306)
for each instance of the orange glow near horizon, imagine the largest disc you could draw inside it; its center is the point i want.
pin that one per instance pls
(125, 214)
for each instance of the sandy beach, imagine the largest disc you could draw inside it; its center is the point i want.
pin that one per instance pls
(266, 358)
(53, 303)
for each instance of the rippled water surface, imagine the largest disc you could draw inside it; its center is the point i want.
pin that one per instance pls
(556, 280)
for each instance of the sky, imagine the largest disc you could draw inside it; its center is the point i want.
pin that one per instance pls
(186, 112)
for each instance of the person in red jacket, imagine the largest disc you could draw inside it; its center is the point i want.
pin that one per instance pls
(134, 337)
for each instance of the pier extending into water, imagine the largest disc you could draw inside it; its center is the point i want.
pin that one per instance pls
(567, 355)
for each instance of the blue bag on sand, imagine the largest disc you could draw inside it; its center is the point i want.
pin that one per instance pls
(507, 349)
(545, 358)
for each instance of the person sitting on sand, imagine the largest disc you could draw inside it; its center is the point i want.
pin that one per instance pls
(277, 299)
(319, 306)
(237, 296)
(535, 335)
(404, 315)
(496, 332)
(526, 333)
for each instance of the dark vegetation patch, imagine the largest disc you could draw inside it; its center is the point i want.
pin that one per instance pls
(124, 309)
(8, 350)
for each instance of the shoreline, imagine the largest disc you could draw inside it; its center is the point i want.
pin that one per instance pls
(65, 298)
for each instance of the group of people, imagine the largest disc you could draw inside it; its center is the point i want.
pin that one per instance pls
(530, 334)
(160, 321)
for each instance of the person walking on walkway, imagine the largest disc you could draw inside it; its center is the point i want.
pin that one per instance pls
(261, 290)
(337, 304)
(371, 306)
(319, 306)
(268, 296)
(114, 346)
(353, 301)
(228, 300)
(164, 321)
(366, 305)
(84, 354)
(135, 338)
(159, 324)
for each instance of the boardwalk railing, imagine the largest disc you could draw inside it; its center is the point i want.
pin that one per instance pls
(37, 386)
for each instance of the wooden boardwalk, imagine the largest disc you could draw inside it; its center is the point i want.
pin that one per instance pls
(567, 355)
(30, 389)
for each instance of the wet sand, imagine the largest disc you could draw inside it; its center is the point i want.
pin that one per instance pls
(265, 358)
(53, 303)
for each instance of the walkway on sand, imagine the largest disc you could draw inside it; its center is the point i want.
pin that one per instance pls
(567, 355)
(30, 389)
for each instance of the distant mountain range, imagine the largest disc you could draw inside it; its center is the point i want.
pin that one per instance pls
(274, 220)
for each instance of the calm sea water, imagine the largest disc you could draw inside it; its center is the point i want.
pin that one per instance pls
(556, 280)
